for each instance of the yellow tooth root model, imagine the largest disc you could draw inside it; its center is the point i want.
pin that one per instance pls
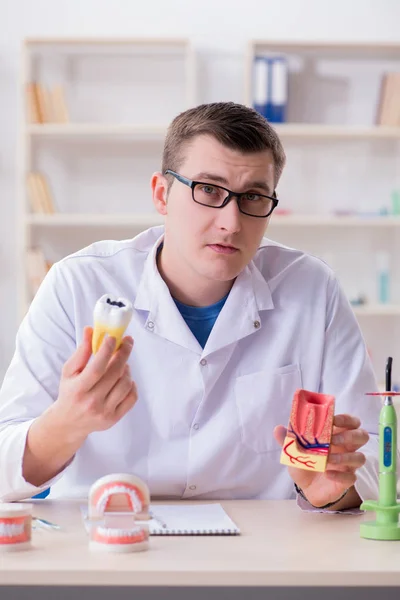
(111, 316)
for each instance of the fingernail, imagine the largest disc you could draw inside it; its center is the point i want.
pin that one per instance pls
(110, 341)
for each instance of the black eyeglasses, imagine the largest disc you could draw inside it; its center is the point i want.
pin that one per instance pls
(216, 196)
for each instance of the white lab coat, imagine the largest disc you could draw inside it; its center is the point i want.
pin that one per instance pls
(202, 426)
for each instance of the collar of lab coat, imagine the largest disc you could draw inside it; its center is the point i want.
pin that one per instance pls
(239, 317)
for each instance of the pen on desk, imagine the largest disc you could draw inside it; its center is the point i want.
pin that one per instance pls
(46, 523)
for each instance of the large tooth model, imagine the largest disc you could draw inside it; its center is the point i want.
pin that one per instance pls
(116, 502)
(111, 316)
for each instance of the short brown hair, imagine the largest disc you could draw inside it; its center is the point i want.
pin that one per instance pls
(233, 125)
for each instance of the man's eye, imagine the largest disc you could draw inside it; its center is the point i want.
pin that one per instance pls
(209, 189)
(251, 197)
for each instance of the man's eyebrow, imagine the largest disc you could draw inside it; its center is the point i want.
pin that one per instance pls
(262, 185)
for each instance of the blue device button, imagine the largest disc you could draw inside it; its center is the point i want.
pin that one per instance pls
(387, 447)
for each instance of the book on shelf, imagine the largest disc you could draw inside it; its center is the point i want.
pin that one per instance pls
(388, 113)
(39, 194)
(37, 268)
(270, 87)
(46, 105)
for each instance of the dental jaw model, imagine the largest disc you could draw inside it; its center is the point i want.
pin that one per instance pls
(15, 526)
(309, 433)
(111, 316)
(116, 503)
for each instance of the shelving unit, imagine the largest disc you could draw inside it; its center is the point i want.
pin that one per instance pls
(121, 95)
(340, 160)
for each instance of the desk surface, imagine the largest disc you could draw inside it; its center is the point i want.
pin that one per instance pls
(279, 546)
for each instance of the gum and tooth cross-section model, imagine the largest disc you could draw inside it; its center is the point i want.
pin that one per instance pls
(309, 433)
(111, 316)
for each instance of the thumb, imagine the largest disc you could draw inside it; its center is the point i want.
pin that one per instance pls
(280, 434)
(79, 359)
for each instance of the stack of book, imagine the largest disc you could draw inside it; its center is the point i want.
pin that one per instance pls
(389, 103)
(46, 105)
(37, 268)
(39, 194)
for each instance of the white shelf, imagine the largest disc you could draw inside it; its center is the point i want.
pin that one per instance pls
(333, 221)
(349, 132)
(78, 130)
(377, 310)
(290, 130)
(331, 49)
(94, 220)
(119, 219)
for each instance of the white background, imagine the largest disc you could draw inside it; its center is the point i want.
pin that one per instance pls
(219, 31)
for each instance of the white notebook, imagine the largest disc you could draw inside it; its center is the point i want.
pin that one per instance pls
(186, 519)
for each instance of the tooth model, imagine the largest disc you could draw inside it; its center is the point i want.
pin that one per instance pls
(15, 526)
(116, 502)
(309, 433)
(111, 316)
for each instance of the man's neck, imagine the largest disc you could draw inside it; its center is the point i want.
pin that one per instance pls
(186, 286)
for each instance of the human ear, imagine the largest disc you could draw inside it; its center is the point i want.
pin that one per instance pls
(159, 187)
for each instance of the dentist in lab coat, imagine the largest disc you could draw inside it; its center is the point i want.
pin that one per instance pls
(227, 324)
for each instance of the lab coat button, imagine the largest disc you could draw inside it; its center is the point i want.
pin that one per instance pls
(150, 325)
(196, 426)
(256, 324)
(192, 487)
(203, 362)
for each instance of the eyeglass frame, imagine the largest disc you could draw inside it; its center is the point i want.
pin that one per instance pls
(192, 184)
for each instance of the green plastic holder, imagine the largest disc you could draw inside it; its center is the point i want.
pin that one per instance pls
(387, 509)
(386, 526)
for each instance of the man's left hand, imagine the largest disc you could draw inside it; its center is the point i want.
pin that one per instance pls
(343, 461)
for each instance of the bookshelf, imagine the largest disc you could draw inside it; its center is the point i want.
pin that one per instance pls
(343, 172)
(93, 117)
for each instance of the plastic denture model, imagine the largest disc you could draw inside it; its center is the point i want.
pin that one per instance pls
(15, 526)
(309, 433)
(111, 316)
(116, 503)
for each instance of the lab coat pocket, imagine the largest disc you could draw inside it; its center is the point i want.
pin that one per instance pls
(264, 400)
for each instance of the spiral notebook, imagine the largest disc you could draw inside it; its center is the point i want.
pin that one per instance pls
(196, 519)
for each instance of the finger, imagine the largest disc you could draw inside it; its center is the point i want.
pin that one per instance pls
(118, 392)
(280, 434)
(127, 403)
(346, 478)
(346, 421)
(354, 460)
(79, 359)
(114, 369)
(350, 440)
(96, 369)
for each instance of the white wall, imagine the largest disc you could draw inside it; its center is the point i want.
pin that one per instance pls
(219, 30)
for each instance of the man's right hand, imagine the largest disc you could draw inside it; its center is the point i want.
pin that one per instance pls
(93, 396)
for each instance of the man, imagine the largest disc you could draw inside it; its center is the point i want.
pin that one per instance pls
(227, 325)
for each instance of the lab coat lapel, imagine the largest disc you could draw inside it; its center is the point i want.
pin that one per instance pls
(163, 317)
(240, 315)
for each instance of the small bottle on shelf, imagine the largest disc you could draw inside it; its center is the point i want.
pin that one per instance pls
(383, 273)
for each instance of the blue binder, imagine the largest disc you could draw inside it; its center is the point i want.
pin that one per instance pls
(270, 82)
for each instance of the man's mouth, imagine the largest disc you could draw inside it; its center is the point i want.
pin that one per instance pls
(223, 248)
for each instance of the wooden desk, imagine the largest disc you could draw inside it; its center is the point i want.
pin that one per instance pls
(279, 546)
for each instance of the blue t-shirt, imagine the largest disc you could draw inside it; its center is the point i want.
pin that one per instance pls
(201, 319)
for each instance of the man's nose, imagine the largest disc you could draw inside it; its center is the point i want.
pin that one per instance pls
(229, 217)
